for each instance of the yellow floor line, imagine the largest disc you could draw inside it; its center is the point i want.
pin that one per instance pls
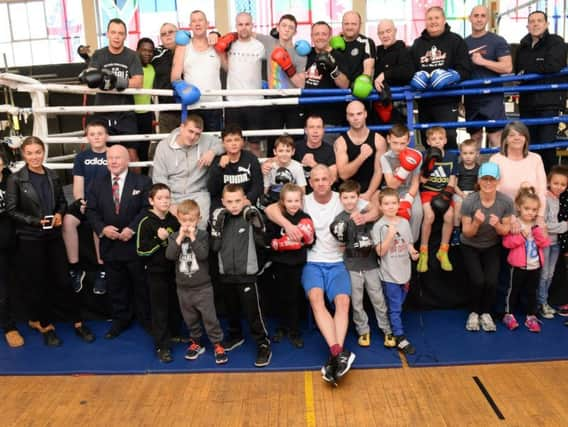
(309, 398)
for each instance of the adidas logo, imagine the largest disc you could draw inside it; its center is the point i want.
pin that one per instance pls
(95, 162)
(439, 173)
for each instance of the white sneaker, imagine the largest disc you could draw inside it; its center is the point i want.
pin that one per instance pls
(472, 323)
(546, 311)
(487, 323)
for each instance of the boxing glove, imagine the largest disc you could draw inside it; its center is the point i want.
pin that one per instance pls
(283, 176)
(302, 47)
(337, 43)
(253, 216)
(384, 112)
(431, 156)
(326, 65)
(224, 43)
(186, 93)
(92, 78)
(283, 59)
(409, 160)
(108, 81)
(338, 229)
(83, 52)
(182, 37)
(362, 86)
(306, 227)
(218, 221)
(440, 203)
(420, 80)
(284, 243)
(274, 33)
(405, 207)
(386, 94)
(441, 78)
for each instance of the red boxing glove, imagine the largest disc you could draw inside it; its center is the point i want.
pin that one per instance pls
(285, 244)
(307, 229)
(282, 58)
(384, 111)
(405, 207)
(224, 43)
(409, 160)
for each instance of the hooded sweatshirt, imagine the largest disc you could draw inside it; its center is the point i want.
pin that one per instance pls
(395, 61)
(177, 165)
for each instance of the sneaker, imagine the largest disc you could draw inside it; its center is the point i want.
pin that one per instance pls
(563, 310)
(84, 333)
(14, 338)
(344, 361)
(263, 356)
(220, 354)
(486, 322)
(404, 345)
(165, 355)
(390, 341)
(76, 277)
(455, 239)
(532, 323)
(445, 263)
(472, 323)
(364, 340)
(279, 335)
(50, 339)
(422, 266)
(232, 342)
(510, 321)
(99, 287)
(194, 350)
(296, 339)
(328, 371)
(546, 311)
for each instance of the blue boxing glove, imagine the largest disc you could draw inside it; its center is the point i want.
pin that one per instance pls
(182, 37)
(303, 48)
(420, 80)
(442, 78)
(186, 93)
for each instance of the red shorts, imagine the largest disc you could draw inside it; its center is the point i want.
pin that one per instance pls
(426, 197)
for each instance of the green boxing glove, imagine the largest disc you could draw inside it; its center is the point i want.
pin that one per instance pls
(362, 86)
(337, 43)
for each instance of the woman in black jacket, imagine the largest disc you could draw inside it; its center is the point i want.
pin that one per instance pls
(36, 204)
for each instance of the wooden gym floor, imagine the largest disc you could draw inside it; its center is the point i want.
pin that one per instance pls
(527, 394)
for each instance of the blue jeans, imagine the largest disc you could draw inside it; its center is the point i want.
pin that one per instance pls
(395, 295)
(551, 254)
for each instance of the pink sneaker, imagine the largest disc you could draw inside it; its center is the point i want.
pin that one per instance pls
(510, 321)
(563, 310)
(532, 323)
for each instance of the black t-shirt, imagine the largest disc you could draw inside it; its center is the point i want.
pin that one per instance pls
(356, 51)
(40, 182)
(467, 178)
(323, 154)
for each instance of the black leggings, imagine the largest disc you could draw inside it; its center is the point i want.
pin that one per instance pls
(482, 268)
(522, 280)
(288, 282)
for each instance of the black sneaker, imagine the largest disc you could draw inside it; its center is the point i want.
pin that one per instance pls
(296, 339)
(279, 335)
(99, 287)
(232, 342)
(76, 277)
(404, 345)
(194, 350)
(344, 361)
(328, 371)
(455, 239)
(84, 333)
(165, 355)
(220, 354)
(50, 339)
(263, 356)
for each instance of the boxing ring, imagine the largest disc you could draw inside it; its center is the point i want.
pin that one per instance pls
(39, 109)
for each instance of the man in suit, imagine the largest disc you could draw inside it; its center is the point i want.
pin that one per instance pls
(116, 202)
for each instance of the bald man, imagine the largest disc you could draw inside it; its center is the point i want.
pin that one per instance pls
(359, 49)
(116, 201)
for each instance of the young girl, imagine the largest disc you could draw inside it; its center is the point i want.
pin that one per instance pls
(394, 246)
(563, 242)
(557, 183)
(151, 243)
(288, 259)
(525, 258)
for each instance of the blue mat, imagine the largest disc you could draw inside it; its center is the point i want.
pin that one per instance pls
(440, 339)
(132, 353)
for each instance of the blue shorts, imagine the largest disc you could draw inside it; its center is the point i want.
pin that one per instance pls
(488, 108)
(332, 277)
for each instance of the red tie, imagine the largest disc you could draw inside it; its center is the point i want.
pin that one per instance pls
(116, 194)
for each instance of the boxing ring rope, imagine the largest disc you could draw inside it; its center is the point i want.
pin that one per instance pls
(39, 108)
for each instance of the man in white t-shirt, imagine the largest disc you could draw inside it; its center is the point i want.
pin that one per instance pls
(325, 272)
(243, 62)
(200, 66)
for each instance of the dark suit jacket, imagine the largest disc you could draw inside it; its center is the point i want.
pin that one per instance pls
(100, 212)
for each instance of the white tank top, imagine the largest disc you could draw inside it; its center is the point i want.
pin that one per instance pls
(202, 69)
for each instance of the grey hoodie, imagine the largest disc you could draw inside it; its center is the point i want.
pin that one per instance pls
(177, 166)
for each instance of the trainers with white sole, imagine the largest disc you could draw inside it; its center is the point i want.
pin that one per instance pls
(486, 322)
(472, 323)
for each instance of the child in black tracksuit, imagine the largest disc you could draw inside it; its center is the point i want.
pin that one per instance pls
(190, 249)
(151, 242)
(288, 260)
(237, 230)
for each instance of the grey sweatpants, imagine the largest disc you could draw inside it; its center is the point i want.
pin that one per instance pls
(198, 304)
(369, 280)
